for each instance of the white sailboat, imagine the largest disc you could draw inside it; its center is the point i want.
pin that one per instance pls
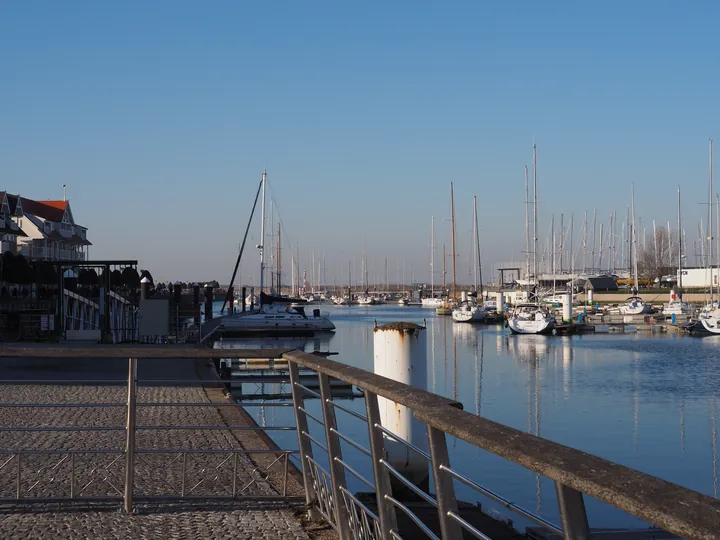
(532, 318)
(275, 315)
(634, 305)
(469, 310)
(676, 306)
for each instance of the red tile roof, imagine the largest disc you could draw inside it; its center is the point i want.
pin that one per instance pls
(49, 210)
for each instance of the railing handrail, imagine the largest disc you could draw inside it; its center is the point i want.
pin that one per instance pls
(675, 508)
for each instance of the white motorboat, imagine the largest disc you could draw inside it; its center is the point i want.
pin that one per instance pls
(403, 301)
(530, 319)
(635, 305)
(469, 311)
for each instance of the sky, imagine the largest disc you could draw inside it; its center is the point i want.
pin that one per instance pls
(160, 117)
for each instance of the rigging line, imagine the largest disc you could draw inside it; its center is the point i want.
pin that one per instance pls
(273, 198)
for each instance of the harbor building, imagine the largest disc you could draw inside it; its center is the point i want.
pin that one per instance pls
(48, 230)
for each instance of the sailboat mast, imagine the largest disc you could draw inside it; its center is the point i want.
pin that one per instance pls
(633, 253)
(444, 272)
(432, 256)
(262, 233)
(279, 263)
(535, 238)
(680, 243)
(477, 250)
(592, 251)
(475, 240)
(527, 225)
(452, 217)
(709, 220)
(552, 255)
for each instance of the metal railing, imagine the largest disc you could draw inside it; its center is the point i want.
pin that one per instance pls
(671, 507)
(125, 471)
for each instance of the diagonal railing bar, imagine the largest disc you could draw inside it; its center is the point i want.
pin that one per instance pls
(214, 470)
(105, 480)
(41, 481)
(151, 467)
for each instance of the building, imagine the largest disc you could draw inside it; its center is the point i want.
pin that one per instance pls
(49, 230)
(699, 278)
(10, 231)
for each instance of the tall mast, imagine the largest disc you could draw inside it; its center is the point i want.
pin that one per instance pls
(535, 238)
(633, 253)
(717, 236)
(475, 243)
(709, 220)
(562, 242)
(432, 256)
(599, 269)
(444, 271)
(592, 251)
(452, 218)
(680, 243)
(261, 247)
(477, 248)
(527, 226)
(552, 255)
(279, 264)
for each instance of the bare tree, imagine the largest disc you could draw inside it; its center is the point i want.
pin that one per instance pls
(658, 256)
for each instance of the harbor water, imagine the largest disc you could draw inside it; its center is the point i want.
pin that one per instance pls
(647, 401)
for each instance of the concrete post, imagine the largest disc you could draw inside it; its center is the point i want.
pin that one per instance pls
(501, 303)
(401, 355)
(244, 301)
(566, 308)
(589, 297)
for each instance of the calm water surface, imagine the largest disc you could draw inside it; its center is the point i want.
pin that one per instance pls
(646, 401)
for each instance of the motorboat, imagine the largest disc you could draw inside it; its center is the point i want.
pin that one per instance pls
(403, 301)
(431, 302)
(530, 319)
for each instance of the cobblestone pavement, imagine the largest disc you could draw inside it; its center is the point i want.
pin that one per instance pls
(102, 474)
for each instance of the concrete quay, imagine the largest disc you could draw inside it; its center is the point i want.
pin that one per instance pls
(255, 476)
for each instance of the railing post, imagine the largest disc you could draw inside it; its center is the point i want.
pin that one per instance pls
(130, 436)
(444, 487)
(337, 471)
(572, 513)
(386, 511)
(301, 425)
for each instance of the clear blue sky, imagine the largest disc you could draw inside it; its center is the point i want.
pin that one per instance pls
(160, 116)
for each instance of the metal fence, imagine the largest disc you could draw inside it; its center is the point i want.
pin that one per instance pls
(673, 508)
(121, 469)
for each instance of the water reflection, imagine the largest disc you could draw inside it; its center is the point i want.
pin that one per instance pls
(590, 392)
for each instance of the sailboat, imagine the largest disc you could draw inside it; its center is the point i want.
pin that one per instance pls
(676, 306)
(469, 310)
(532, 317)
(276, 315)
(634, 305)
(431, 301)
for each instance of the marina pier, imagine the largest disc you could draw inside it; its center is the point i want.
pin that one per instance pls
(159, 440)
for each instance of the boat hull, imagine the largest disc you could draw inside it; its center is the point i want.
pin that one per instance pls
(432, 302)
(469, 315)
(543, 326)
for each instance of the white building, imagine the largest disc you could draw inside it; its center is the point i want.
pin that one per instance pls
(699, 278)
(9, 230)
(49, 229)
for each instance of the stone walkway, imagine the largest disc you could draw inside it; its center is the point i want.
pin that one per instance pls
(102, 474)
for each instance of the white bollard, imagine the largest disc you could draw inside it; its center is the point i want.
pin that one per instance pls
(589, 297)
(566, 308)
(501, 302)
(401, 355)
